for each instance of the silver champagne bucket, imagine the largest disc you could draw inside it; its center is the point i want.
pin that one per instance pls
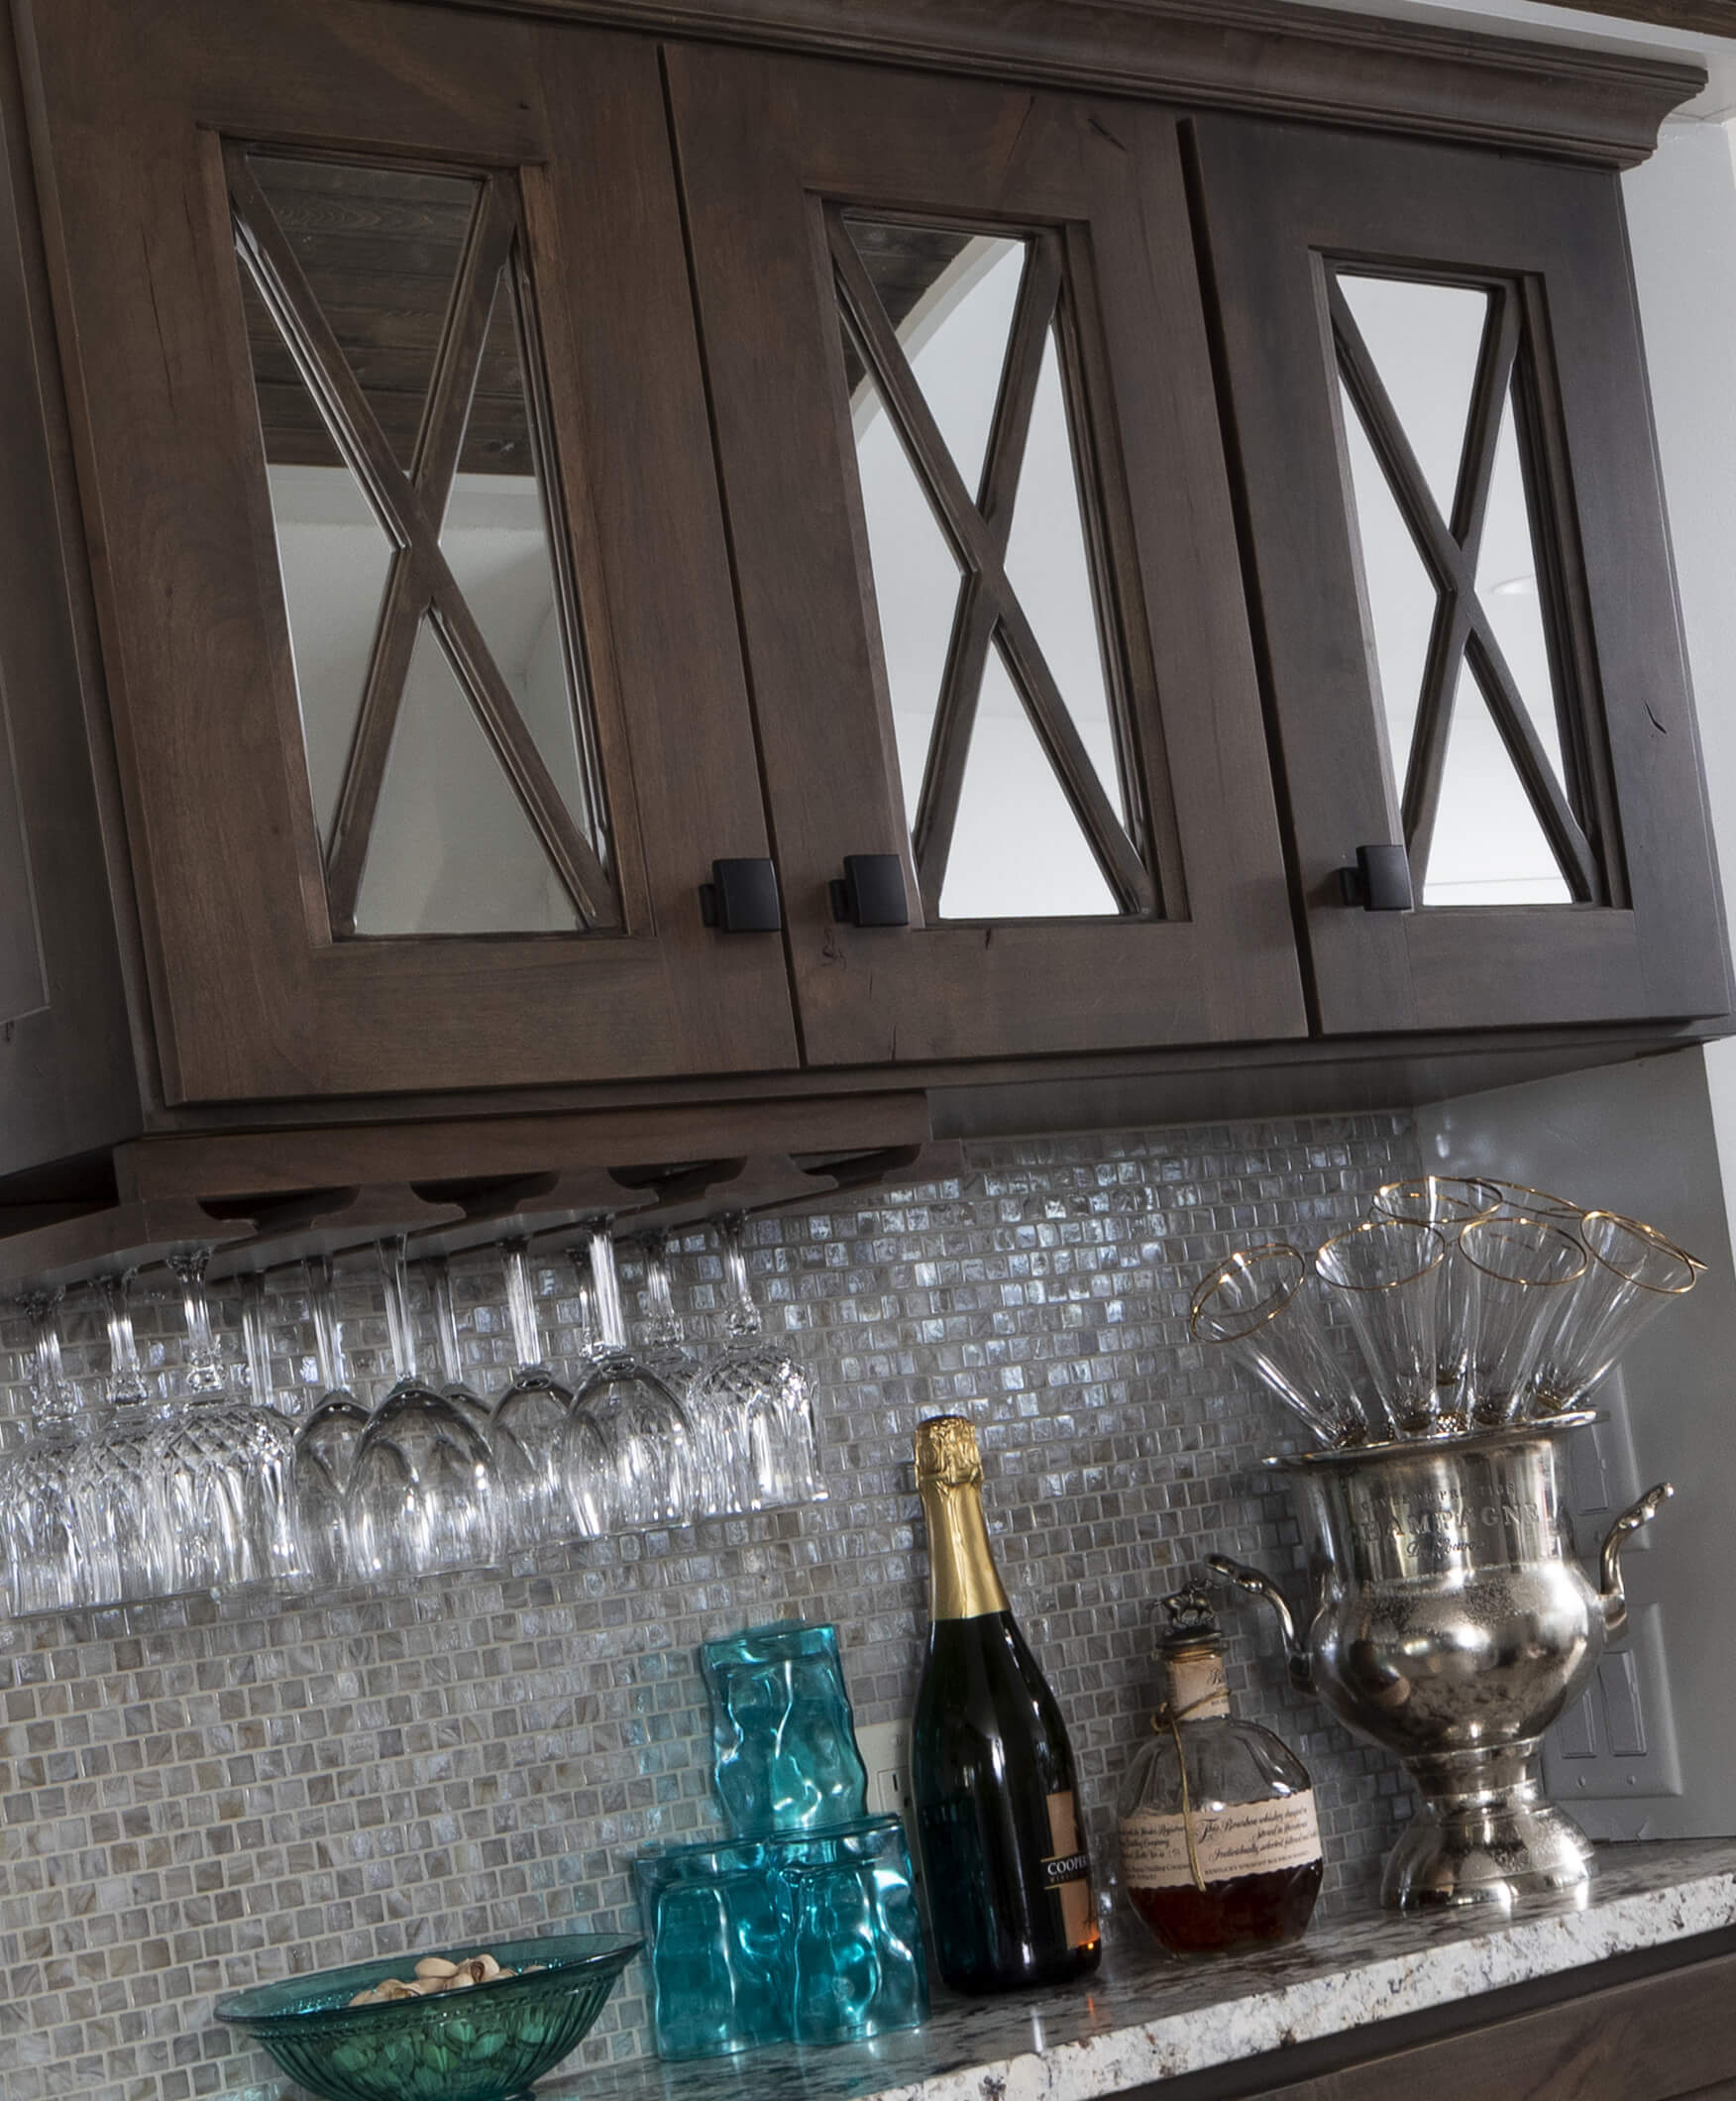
(1451, 1625)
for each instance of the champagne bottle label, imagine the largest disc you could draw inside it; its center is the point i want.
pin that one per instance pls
(1067, 1871)
(1241, 1838)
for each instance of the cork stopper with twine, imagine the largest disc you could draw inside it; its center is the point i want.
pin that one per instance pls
(1192, 1636)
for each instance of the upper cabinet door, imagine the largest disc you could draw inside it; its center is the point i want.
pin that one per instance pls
(1000, 668)
(419, 629)
(1456, 541)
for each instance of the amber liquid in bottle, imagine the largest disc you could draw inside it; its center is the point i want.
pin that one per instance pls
(1248, 1911)
(1218, 1838)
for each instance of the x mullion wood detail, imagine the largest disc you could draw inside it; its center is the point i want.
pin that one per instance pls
(410, 507)
(988, 609)
(1463, 632)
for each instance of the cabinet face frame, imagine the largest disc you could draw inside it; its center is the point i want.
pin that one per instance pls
(251, 996)
(767, 147)
(1275, 204)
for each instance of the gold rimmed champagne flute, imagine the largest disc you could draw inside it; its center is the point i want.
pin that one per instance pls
(1254, 1307)
(1389, 1276)
(1522, 1271)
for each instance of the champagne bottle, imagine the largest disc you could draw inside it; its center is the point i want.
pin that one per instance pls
(991, 1769)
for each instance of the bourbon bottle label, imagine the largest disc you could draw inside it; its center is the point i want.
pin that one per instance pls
(1243, 1838)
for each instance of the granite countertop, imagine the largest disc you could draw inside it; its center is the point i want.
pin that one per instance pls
(1144, 2018)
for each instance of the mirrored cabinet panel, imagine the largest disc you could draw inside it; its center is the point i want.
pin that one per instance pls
(996, 631)
(1453, 514)
(431, 606)
(1456, 549)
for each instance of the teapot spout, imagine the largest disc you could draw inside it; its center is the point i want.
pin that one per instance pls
(1260, 1585)
(1614, 1595)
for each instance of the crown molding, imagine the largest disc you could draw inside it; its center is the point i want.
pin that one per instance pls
(1603, 105)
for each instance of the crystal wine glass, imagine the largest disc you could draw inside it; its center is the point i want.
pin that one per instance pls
(225, 1466)
(627, 1449)
(752, 1401)
(421, 1491)
(452, 1383)
(51, 1566)
(115, 1483)
(327, 1442)
(530, 1417)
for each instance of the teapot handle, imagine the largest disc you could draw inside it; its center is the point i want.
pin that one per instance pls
(1260, 1585)
(1614, 1595)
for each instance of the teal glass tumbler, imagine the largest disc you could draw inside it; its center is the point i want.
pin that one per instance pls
(784, 1738)
(805, 1937)
(857, 1962)
(720, 1969)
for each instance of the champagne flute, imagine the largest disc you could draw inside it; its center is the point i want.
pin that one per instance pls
(1523, 1270)
(1256, 1307)
(328, 1441)
(1389, 1275)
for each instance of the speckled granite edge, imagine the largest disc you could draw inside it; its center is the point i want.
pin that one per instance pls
(1145, 2020)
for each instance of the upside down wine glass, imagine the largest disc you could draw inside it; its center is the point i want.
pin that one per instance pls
(327, 1442)
(226, 1467)
(420, 1495)
(627, 1451)
(115, 1485)
(50, 1565)
(529, 1421)
(753, 1400)
(452, 1383)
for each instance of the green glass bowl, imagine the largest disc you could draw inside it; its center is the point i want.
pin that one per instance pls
(480, 2045)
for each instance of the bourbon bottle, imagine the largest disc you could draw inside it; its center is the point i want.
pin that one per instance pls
(1219, 1846)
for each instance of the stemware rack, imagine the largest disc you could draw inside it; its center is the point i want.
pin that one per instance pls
(260, 1205)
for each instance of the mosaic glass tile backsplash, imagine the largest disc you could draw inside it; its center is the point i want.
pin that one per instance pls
(194, 1797)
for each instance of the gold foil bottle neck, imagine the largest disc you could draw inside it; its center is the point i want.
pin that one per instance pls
(962, 1579)
(946, 1452)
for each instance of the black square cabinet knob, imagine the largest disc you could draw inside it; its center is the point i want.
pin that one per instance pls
(742, 897)
(872, 892)
(1380, 881)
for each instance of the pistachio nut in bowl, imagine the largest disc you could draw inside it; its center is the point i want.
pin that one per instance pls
(455, 2027)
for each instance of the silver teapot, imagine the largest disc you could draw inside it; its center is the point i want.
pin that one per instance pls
(1452, 1624)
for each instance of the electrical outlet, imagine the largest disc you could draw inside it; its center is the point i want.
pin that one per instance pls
(886, 1752)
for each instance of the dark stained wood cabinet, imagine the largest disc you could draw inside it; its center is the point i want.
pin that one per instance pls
(1539, 255)
(664, 302)
(781, 161)
(255, 993)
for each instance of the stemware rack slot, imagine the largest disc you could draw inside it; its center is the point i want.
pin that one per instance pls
(255, 1229)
